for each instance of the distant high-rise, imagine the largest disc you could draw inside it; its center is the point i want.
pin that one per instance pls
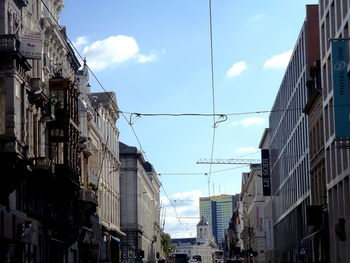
(217, 210)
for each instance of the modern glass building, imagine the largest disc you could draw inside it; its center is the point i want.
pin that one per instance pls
(289, 146)
(218, 210)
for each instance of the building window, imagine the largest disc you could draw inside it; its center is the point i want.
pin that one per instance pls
(2, 106)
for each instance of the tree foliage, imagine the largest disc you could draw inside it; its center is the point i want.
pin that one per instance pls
(167, 246)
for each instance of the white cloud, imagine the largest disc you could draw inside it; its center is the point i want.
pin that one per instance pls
(279, 61)
(187, 212)
(80, 41)
(236, 69)
(249, 122)
(256, 18)
(113, 51)
(246, 150)
(145, 59)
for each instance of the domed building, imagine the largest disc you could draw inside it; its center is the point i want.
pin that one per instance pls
(202, 245)
(204, 234)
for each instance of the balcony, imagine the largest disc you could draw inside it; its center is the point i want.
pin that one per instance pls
(36, 93)
(9, 43)
(43, 164)
(88, 195)
(314, 89)
(11, 56)
(67, 177)
(87, 207)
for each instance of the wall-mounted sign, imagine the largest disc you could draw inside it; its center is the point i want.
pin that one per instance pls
(265, 170)
(269, 233)
(31, 45)
(340, 62)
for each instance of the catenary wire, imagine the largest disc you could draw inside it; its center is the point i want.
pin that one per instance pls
(144, 115)
(225, 114)
(218, 171)
(176, 214)
(206, 114)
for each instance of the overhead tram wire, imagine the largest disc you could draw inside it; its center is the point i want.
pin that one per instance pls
(218, 171)
(185, 173)
(177, 216)
(140, 114)
(208, 114)
(222, 114)
(95, 77)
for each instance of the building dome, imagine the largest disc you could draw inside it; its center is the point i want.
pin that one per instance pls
(203, 222)
(82, 104)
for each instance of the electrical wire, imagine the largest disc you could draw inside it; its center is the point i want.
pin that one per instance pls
(95, 77)
(213, 96)
(176, 214)
(218, 114)
(206, 114)
(189, 173)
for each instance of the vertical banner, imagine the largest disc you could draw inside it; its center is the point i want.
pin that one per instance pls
(340, 62)
(269, 234)
(265, 170)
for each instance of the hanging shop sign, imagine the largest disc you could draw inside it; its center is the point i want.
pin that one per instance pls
(31, 45)
(265, 170)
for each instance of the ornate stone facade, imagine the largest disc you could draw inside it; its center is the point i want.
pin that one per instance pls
(43, 207)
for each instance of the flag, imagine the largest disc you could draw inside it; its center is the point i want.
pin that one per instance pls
(237, 218)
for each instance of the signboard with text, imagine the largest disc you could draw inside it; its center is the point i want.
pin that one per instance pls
(265, 170)
(31, 45)
(340, 62)
(269, 233)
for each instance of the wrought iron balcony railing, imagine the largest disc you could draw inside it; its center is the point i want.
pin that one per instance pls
(9, 43)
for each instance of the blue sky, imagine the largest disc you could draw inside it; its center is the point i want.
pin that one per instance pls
(155, 55)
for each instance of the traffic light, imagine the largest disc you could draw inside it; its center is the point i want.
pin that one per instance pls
(250, 253)
(142, 254)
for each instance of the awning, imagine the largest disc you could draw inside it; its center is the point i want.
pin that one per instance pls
(117, 233)
(113, 231)
(312, 235)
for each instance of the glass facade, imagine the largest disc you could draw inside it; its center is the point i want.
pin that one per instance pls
(289, 150)
(218, 210)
